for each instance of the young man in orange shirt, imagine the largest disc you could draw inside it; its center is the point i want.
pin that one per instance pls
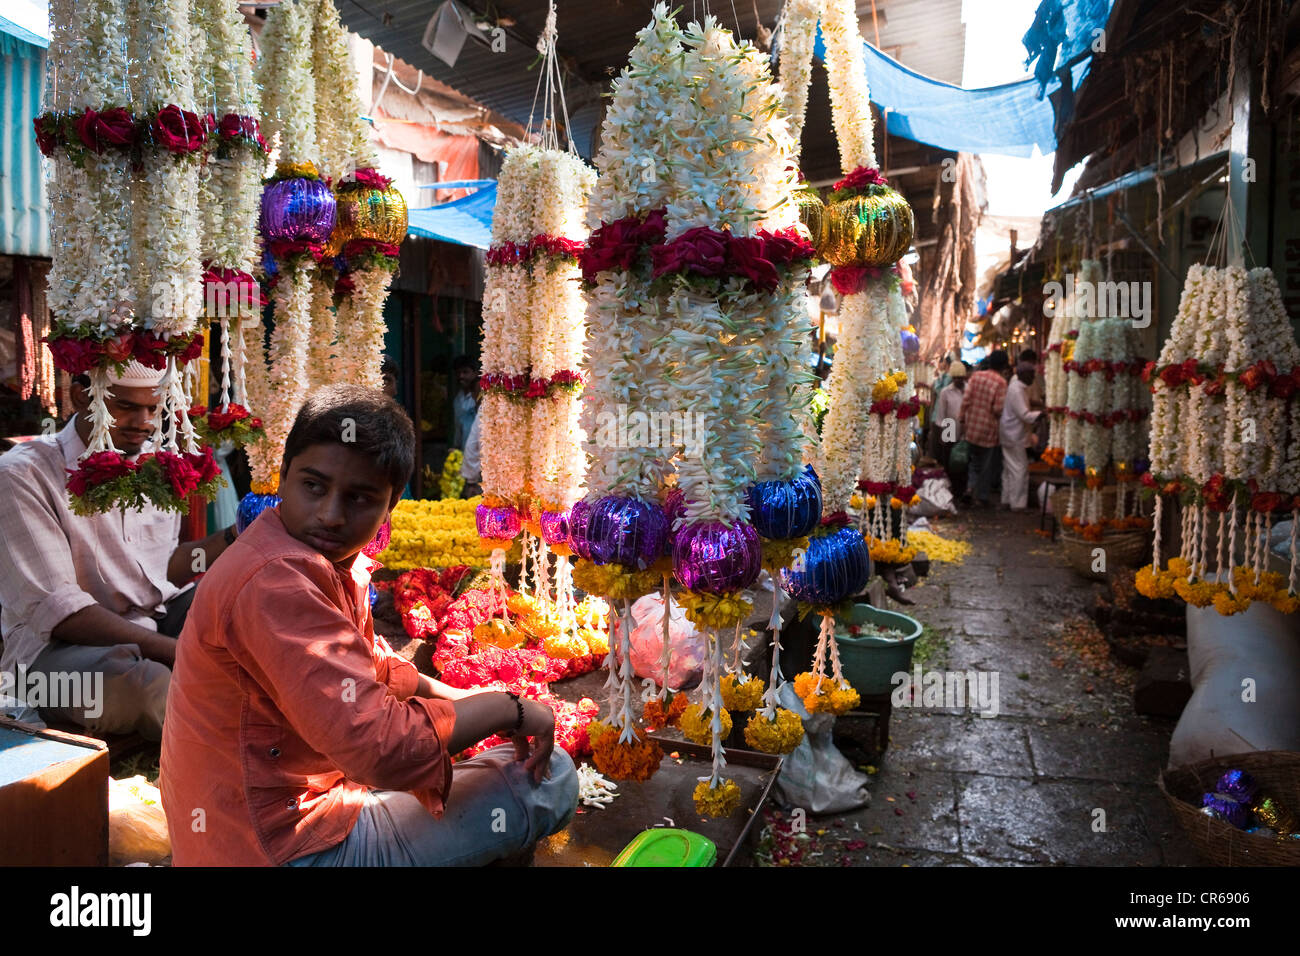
(296, 736)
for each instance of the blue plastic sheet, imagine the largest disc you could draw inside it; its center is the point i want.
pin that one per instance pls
(465, 222)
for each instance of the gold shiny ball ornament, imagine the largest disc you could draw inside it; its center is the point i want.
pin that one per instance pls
(367, 213)
(868, 230)
(812, 216)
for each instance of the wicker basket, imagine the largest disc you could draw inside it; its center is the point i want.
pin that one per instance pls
(1124, 549)
(1220, 843)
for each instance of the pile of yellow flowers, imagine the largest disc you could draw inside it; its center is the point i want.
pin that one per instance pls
(738, 696)
(433, 534)
(829, 698)
(1173, 582)
(696, 724)
(534, 619)
(615, 581)
(637, 760)
(887, 386)
(450, 483)
(779, 736)
(892, 551)
(720, 801)
(939, 549)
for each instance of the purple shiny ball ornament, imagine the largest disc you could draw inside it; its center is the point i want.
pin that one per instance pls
(1237, 784)
(297, 210)
(781, 510)
(1226, 809)
(579, 521)
(374, 595)
(250, 506)
(836, 566)
(717, 559)
(501, 524)
(555, 527)
(627, 531)
(674, 508)
(379, 541)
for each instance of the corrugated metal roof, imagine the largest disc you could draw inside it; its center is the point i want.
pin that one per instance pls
(24, 211)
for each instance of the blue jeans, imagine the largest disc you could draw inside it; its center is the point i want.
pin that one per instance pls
(494, 811)
(985, 469)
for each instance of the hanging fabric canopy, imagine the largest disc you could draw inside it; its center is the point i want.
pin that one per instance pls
(1009, 120)
(465, 222)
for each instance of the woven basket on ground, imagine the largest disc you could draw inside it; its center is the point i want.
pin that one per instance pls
(1220, 843)
(1123, 549)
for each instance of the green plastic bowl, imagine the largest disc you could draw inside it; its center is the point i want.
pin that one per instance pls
(664, 846)
(869, 663)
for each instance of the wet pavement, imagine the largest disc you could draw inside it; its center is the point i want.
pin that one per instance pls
(1064, 774)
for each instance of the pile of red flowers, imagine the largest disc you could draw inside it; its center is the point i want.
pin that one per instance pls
(571, 722)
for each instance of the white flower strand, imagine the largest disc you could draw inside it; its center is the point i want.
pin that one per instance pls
(800, 36)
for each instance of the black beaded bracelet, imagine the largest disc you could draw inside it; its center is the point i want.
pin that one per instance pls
(519, 724)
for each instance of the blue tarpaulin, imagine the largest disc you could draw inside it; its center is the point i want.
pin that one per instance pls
(24, 212)
(1010, 119)
(465, 222)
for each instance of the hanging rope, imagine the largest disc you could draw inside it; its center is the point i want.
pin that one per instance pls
(550, 88)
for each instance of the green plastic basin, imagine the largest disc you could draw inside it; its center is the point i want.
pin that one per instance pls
(869, 662)
(665, 846)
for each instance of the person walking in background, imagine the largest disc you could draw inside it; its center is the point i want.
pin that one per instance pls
(465, 405)
(1016, 428)
(981, 408)
(945, 423)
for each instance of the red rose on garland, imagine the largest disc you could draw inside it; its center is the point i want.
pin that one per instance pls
(75, 356)
(205, 465)
(180, 131)
(700, 251)
(863, 177)
(47, 134)
(97, 469)
(747, 256)
(179, 472)
(150, 350)
(98, 131)
(371, 179)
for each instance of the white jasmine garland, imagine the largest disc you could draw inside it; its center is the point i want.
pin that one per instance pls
(846, 74)
(342, 136)
(797, 42)
(288, 83)
(321, 364)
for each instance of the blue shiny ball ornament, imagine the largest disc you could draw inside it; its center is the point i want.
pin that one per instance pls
(627, 531)
(250, 506)
(781, 510)
(836, 566)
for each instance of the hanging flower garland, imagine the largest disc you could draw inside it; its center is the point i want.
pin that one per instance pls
(797, 43)
(297, 218)
(1225, 388)
(230, 192)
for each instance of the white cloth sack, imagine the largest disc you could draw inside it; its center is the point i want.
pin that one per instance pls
(816, 776)
(1258, 645)
(936, 498)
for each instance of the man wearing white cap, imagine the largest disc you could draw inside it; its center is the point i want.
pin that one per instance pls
(91, 605)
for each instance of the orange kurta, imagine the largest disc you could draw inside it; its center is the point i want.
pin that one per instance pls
(285, 708)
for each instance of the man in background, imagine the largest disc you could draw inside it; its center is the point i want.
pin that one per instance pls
(981, 409)
(1016, 429)
(465, 405)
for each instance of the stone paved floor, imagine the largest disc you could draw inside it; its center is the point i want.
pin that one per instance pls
(1024, 787)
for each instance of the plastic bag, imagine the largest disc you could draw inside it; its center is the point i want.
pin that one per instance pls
(137, 826)
(936, 498)
(689, 647)
(959, 460)
(815, 775)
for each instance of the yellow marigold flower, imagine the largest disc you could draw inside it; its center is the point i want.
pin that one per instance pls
(779, 736)
(523, 604)
(499, 634)
(697, 724)
(595, 729)
(1285, 602)
(738, 696)
(631, 761)
(719, 801)
(1227, 605)
(565, 647)
(885, 388)
(1197, 594)
(779, 554)
(714, 611)
(597, 641)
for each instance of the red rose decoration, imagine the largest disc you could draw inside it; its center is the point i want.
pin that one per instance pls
(344, 285)
(1148, 479)
(47, 134)
(150, 350)
(180, 131)
(861, 178)
(101, 467)
(372, 178)
(254, 423)
(1266, 501)
(75, 356)
(747, 259)
(654, 229)
(205, 465)
(1216, 386)
(98, 131)
(179, 472)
